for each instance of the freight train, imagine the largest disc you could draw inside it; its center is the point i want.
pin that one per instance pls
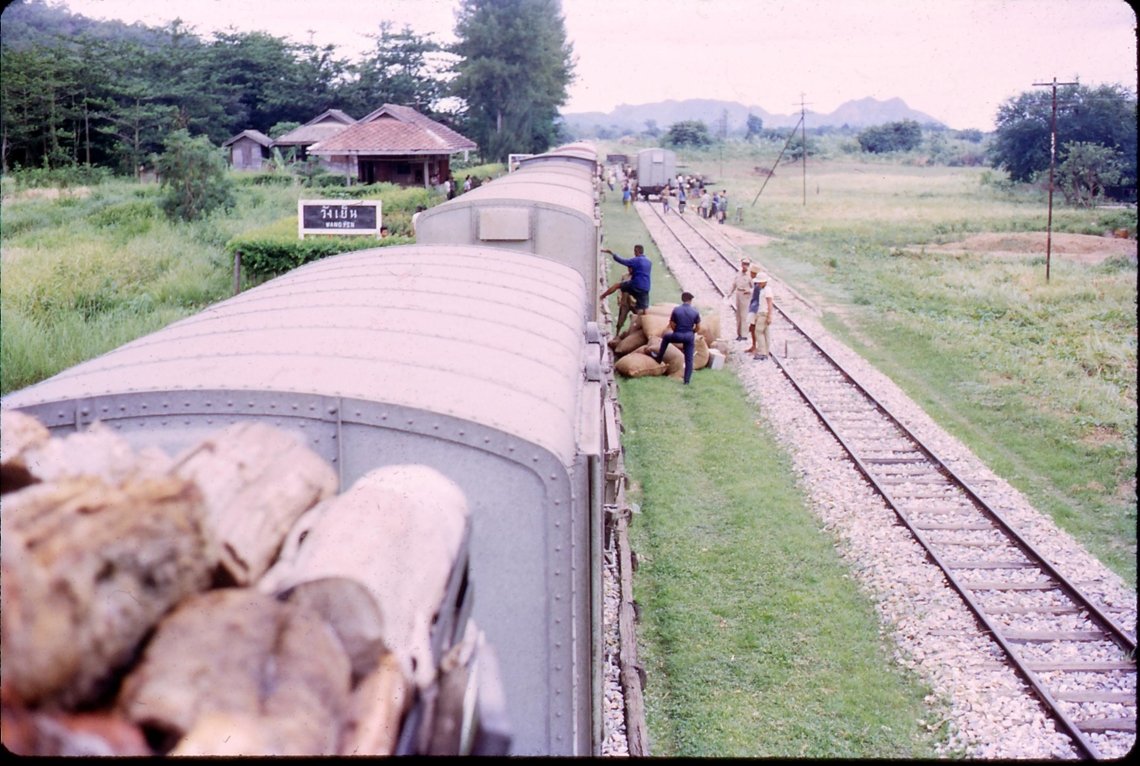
(481, 352)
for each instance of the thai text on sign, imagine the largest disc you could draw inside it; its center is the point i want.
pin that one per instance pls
(334, 216)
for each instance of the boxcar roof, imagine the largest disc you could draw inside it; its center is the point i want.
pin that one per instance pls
(559, 185)
(486, 335)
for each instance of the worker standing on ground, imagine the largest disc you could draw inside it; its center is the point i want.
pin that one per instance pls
(760, 317)
(684, 324)
(638, 283)
(742, 295)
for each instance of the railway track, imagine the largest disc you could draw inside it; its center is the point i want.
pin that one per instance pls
(1070, 651)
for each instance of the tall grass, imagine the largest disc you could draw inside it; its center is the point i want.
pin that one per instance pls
(91, 269)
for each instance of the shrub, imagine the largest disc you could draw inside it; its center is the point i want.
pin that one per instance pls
(276, 249)
(194, 178)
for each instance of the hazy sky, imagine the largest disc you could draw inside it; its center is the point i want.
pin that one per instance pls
(956, 60)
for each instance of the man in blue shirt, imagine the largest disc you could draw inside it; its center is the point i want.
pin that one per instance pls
(638, 283)
(684, 324)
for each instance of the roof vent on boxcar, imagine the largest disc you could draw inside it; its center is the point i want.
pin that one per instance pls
(498, 224)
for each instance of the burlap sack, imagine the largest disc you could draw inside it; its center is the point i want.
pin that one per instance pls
(631, 342)
(638, 365)
(654, 324)
(700, 353)
(674, 361)
(674, 358)
(710, 325)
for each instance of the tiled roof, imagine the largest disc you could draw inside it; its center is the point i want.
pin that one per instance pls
(309, 134)
(317, 129)
(255, 135)
(394, 129)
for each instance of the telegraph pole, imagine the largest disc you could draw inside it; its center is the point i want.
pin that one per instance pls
(1052, 163)
(803, 145)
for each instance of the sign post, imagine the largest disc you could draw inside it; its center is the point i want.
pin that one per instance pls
(338, 216)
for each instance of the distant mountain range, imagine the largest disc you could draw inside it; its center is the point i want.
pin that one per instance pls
(629, 117)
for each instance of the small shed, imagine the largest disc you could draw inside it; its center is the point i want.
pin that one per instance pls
(394, 144)
(248, 150)
(324, 125)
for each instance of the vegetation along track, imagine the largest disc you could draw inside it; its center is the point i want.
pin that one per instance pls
(1075, 657)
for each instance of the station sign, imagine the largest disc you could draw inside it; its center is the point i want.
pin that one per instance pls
(338, 216)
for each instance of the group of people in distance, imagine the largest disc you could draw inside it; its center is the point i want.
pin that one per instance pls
(754, 307)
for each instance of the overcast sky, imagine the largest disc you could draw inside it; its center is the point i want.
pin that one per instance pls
(956, 60)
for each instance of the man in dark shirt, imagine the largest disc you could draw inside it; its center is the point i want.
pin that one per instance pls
(684, 324)
(638, 283)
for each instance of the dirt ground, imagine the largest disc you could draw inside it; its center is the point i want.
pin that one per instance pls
(1085, 248)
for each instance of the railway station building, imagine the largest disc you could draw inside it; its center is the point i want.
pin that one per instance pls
(394, 144)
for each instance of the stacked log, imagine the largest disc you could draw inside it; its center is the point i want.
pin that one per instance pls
(226, 601)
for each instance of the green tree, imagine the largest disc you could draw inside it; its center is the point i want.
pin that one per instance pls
(891, 137)
(753, 127)
(130, 117)
(1105, 115)
(688, 133)
(1086, 172)
(194, 180)
(42, 104)
(514, 67)
(263, 77)
(404, 68)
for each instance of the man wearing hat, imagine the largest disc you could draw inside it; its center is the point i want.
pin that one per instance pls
(741, 293)
(760, 310)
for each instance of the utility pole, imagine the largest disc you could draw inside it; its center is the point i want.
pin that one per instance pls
(803, 145)
(723, 136)
(1052, 163)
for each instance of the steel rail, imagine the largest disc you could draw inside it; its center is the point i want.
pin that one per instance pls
(1114, 631)
(1081, 741)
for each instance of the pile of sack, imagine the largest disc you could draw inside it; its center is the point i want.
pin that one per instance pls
(635, 348)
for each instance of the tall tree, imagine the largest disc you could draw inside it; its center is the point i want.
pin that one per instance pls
(1105, 115)
(404, 68)
(753, 127)
(128, 115)
(515, 65)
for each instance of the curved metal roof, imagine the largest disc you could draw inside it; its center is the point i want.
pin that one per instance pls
(564, 185)
(577, 151)
(483, 334)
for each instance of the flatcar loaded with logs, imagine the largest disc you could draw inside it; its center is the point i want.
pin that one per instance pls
(358, 509)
